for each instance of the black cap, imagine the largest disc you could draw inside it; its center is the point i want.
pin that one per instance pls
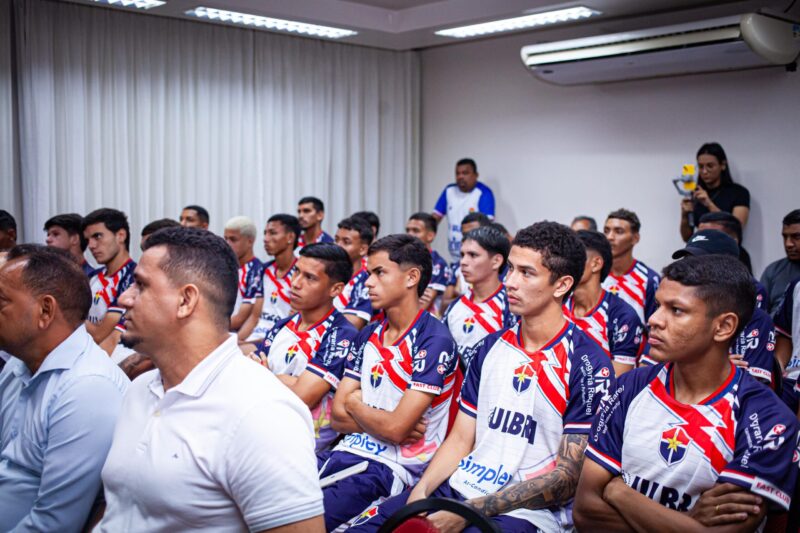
(707, 242)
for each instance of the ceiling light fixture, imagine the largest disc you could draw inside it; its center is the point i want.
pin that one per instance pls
(139, 4)
(520, 23)
(268, 23)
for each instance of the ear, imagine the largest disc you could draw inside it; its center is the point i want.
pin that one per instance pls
(413, 275)
(724, 327)
(563, 285)
(120, 236)
(636, 237)
(336, 289)
(74, 239)
(596, 264)
(12, 232)
(48, 307)
(362, 250)
(496, 261)
(189, 299)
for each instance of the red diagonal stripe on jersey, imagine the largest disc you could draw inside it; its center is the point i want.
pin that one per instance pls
(274, 279)
(630, 292)
(559, 351)
(478, 315)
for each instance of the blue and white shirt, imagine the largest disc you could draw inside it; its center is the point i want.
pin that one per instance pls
(106, 290)
(470, 321)
(787, 324)
(354, 298)
(637, 286)
(277, 292)
(455, 205)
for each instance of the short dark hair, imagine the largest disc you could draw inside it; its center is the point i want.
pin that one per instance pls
(7, 221)
(194, 254)
(426, 218)
(202, 212)
(562, 252)
(372, 218)
(53, 271)
(290, 224)
(468, 161)
(498, 226)
(316, 202)
(156, 225)
(407, 251)
(337, 263)
(113, 219)
(629, 216)
(597, 242)
(69, 222)
(492, 240)
(732, 225)
(359, 225)
(721, 281)
(476, 216)
(793, 217)
(592, 222)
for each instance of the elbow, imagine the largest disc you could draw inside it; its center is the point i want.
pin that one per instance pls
(582, 515)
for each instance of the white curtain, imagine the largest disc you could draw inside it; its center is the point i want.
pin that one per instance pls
(147, 114)
(9, 179)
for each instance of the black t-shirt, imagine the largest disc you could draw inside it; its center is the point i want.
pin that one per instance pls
(726, 197)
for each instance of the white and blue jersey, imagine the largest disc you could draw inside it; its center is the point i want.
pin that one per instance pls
(455, 205)
(422, 359)
(322, 237)
(756, 343)
(250, 280)
(787, 324)
(322, 350)
(613, 324)
(523, 404)
(440, 278)
(354, 298)
(106, 290)
(672, 452)
(638, 287)
(470, 321)
(762, 296)
(277, 291)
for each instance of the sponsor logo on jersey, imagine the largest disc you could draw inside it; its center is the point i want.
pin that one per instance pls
(513, 423)
(674, 443)
(483, 473)
(523, 376)
(621, 333)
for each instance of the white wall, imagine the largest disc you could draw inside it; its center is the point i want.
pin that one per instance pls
(553, 152)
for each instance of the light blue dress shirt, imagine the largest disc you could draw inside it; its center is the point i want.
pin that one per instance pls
(55, 432)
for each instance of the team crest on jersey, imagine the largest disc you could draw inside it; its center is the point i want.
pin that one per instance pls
(614, 290)
(365, 516)
(376, 376)
(674, 444)
(523, 376)
(273, 298)
(469, 324)
(97, 297)
(290, 353)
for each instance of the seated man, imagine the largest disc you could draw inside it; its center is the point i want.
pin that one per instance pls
(311, 213)
(60, 395)
(354, 235)
(457, 284)
(787, 325)
(240, 234)
(394, 400)
(423, 226)
(197, 444)
(670, 435)
(604, 317)
(372, 219)
(527, 403)
(64, 232)
(307, 350)
(484, 309)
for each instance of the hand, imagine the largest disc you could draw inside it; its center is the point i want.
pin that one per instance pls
(417, 433)
(352, 399)
(738, 360)
(614, 489)
(687, 206)
(447, 522)
(259, 358)
(702, 196)
(725, 503)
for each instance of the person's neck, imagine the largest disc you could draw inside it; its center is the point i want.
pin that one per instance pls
(311, 317)
(284, 261)
(713, 186)
(246, 258)
(185, 350)
(538, 330)
(696, 380)
(400, 317)
(78, 255)
(586, 296)
(312, 234)
(35, 352)
(116, 263)
(623, 263)
(357, 265)
(482, 290)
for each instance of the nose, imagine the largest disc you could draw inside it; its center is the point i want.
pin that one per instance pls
(126, 298)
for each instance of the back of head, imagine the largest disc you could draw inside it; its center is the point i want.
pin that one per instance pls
(71, 223)
(476, 216)
(290, 224)
(359, 225)
(156, 225)
(51, 271)
(113, 219)
(313, 200)
(244, 225)
(597, 242)
(426, 218)
(492, 240)
(198, 256)
(202, 212)
(793, 217)
(337, 263)
(726, 221)
(408, 252)
(628, 216)
(371, 218)
(721, 281)
(7, 221)
(561, 250)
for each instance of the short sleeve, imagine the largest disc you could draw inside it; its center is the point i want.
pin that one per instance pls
(329, 360)
(757, 345)
(440, 274)
(605, 439)
(355, 356)
(625, 335)
(762, 296)
(264, 346)
(359, 305)
(486, 202)
(590, 379)
(433, 361)
(441, 204)
(254, 287)
(741, 198)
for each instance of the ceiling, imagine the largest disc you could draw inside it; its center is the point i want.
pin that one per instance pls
(410, 24)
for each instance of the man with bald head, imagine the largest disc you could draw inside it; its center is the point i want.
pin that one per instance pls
(60, 394)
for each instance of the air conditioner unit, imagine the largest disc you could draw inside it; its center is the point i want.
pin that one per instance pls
(731, 43)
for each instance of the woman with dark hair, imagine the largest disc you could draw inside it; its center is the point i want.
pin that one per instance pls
(715, 191)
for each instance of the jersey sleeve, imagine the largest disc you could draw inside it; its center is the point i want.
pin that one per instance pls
(486, 202)
(254, 286)
(762, 296)
(355, 355)
(765, 459)
(264, 346)
(625, 335)
(359, 305)
(329, 360)
(783, 317)
(476, 355)
(650, 295)
(441, 276)
(441, 204)
(124, 283)
(590, 379)
(759, 348)
(433, 361)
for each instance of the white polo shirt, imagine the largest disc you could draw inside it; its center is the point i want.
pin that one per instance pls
(228, 449)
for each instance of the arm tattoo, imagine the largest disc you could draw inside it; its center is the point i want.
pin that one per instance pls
(554, 488)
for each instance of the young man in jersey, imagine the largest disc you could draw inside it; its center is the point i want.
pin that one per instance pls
(280, 240)
(630, 279)
(458, 199)
(372, 219)
(354, 235)
(311, 213)
(194, 216)
(108, 236)
(307, 351)
(423, 226)
(240, 234)
(778, 274)
(64, 231)
(458, 285)
(603, 316)
(484, 309)
(8, 231)
(671, 435)
(394, 400)
(787, 325)
(527, 403)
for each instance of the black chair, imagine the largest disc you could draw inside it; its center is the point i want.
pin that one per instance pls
(472, 516)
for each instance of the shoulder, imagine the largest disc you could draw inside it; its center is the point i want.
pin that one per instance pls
(93, 365)
(431, 327)
(636, 380)
(583, 345)
(619, 307)
(759, 404)
(650, 272)
(483, 188)
(738, 189)
(342, 326)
